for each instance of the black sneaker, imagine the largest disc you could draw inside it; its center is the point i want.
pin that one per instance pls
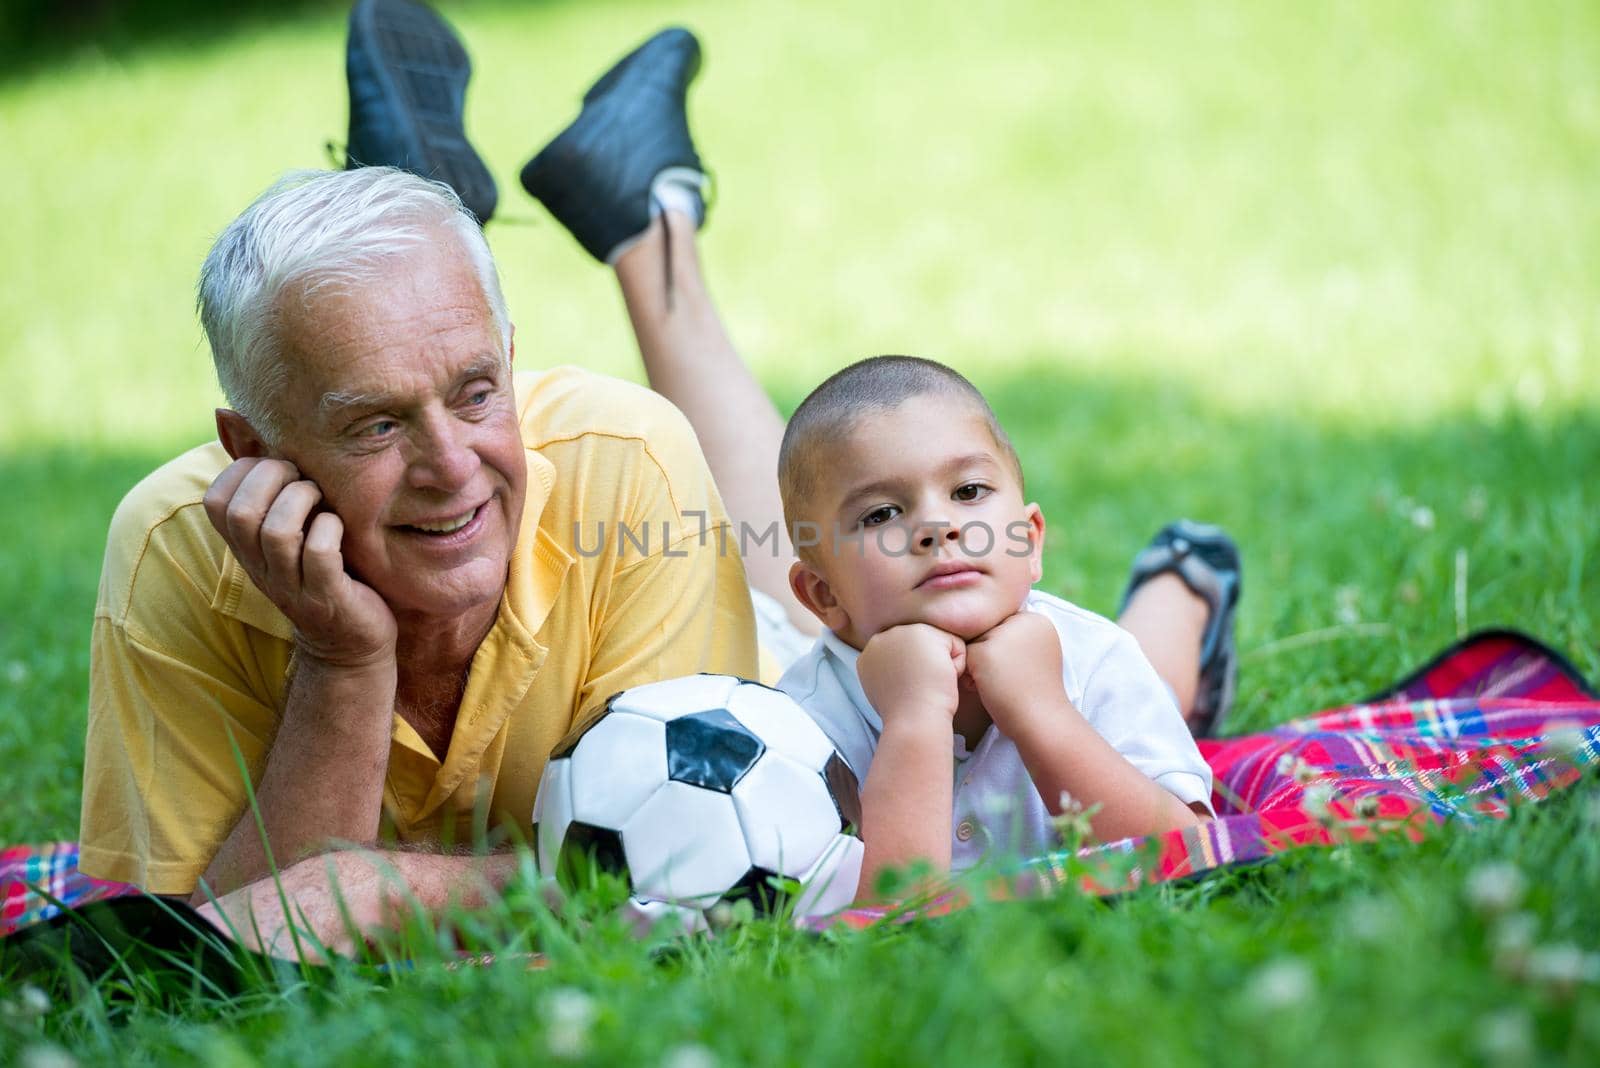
(408, 82)
(596, 177)
(1207, 561)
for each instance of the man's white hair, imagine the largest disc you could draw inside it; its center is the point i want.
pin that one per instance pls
(316, 229)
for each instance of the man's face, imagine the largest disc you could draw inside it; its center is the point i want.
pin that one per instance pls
(399, 406)
(945, 537)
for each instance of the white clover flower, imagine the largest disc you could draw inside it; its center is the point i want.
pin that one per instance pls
(1286, 765)
(1280, 984)
(46, 1056)
(16, 672)
(1565, 739)
(1506, 1036)
(1495, 888)
(1476, 505)
(1422, 517)
(1562, 966)
(1367, 807)
(1318, 799)
(1512, 941)
(1371, 920)
(1305, 774)
(33, 1001)
(1347, 605)
(689, 1055)
(568, 1018)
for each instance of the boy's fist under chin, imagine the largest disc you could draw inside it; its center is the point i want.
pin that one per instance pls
(1016, 666)
(912, 671)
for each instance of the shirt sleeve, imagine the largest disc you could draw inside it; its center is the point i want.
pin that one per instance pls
(1128, 704)
(182, 707)
(683, 606)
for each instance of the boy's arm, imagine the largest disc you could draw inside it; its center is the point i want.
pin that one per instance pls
(1017, 670)
(909, 674)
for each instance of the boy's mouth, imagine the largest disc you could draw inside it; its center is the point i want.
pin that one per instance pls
(950, 575)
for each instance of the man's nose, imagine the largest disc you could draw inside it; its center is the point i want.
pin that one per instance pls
(444, 459)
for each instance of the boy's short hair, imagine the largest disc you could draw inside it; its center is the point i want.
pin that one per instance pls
(876, 384)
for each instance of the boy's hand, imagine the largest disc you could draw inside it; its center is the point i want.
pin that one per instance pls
(911, 671)
(1016, 668)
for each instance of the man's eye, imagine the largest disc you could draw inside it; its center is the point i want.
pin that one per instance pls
(381, 428)
(480, 397)
(970, 492)
(879, 516)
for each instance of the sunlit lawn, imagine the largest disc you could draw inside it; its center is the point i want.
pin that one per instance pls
(1323, 273)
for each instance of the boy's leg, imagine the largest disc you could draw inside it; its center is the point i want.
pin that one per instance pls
(690, 360)
(625, 179)
(1179, 605)
(1169, 622)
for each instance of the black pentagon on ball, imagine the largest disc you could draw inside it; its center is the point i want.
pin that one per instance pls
(765, 890)
(588, 849)
(711, 749)
(845, 791)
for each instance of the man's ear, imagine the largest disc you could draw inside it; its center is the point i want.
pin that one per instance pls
(1035, 518)
(511, 347)
(813, 591)
(238, 437)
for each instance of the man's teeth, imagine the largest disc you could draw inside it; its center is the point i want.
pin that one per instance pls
(448, 525)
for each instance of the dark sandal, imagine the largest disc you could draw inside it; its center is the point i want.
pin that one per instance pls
(1207, 561)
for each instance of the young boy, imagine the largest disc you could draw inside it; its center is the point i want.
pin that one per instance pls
(918, 553)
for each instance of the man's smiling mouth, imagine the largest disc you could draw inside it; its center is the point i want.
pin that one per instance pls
(447, 524)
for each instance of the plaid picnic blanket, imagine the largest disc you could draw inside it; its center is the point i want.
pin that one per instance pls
(1496, 719)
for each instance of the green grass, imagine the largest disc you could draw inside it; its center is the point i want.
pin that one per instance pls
(1321, 272)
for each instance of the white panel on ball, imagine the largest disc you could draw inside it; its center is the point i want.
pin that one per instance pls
(830, 885)
(553, 809)
(684, 844)
(787, 815)
(618, 763)
(646, 916)
(780, 722)
(677, 697)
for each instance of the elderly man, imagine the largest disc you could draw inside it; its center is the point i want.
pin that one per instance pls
(369, 610)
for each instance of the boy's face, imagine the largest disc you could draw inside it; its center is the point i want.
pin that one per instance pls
(921, 521)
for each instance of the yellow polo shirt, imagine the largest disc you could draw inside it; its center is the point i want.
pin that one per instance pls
(189, 661)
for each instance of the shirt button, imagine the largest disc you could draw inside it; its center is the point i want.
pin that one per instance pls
(964, 831)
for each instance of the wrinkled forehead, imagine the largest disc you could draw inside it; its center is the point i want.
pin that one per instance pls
(417, 316)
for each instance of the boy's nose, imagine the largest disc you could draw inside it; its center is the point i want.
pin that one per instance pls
(935, 532)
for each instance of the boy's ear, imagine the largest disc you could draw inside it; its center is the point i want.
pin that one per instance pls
(1035, 518)
(238, 437)
(813, 591)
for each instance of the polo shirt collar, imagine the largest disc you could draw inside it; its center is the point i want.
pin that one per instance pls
(842, 658)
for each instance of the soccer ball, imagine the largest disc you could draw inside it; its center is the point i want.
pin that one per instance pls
(702, 790)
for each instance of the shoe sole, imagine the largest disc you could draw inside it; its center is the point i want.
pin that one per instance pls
(426, 70)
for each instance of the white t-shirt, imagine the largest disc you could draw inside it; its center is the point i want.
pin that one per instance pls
(997, 809)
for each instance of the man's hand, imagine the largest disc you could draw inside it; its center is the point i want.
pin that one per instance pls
(267, 514)
(911, 671)
(1016, 668)
(340, 900)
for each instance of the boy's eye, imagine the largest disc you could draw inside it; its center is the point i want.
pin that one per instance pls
(879, 516)
(970, 492)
